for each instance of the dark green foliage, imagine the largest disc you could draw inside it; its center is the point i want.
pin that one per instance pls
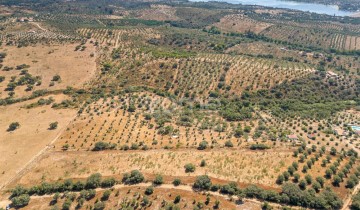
(18, 190)
(67, 204)
(158, 180)
(13, 126)
(307, 97)
(336, 181)
(320, 180)
(149, 190)
(258, 147)
(176, 182)
(326, 199)
(189, 168)
(177, 199)
(100, 145)
(106, 195)
(203, 145)
(99, 205)
(87, 194)
(202, 183)
(134, 177)
(56, 78)
(302, 184)
(229, 144)
(53, 125)
(202, 163)
(93, 181)
(20, 201)
(355, 204)
(296, 177)
(280, 179)
(131, 22)
(229, 189)
(108, 182)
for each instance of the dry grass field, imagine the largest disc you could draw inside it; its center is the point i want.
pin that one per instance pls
(240, 23)
(158, 12)
(241, 166)
(20, 146)
(75, 68)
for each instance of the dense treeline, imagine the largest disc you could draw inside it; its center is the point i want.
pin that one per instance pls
(290, 194)
(313, 96)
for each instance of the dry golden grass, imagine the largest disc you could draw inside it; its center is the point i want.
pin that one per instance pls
(74, 67)
(20, 146)
(243, 166)
(241, 23)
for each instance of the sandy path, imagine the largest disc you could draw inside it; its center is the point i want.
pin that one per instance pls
(38, 25)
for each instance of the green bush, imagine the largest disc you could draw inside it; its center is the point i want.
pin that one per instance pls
(202, 183)
(149, 190)
(189, 168)
(176, 182)
(20, 201)
(13, 126)
(99, 205)
(93, 181)
(158, 180)
(134, 177)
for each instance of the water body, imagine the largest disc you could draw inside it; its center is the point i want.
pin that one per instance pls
(306, 7)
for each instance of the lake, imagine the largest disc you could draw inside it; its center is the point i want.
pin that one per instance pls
(306, 7)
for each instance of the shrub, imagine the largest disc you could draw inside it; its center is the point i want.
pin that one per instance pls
(229, 144)
(106, 195)
(320, 180)
(109, 182)
(202, 183)
(131, 108)
(259, 147)
(87, 194)
(56, 78)
(203, 145)
(149, 190)
(280, 179)
(158, 180)
(177, 199)
(336, 181)
(355, 205)
(93, 181)
(67, 204)
(134, 177)
(20, 201)
(189, 168)
(308, 179)
(302, 184)
(176, 182)
(53, 125)
(296, 177)
(99, 205)
(100, 145)
(13, 126)
(202, 163)
(18, 190)
(316, 186)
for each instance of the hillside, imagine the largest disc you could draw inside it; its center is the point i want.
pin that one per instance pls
(177, 105)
